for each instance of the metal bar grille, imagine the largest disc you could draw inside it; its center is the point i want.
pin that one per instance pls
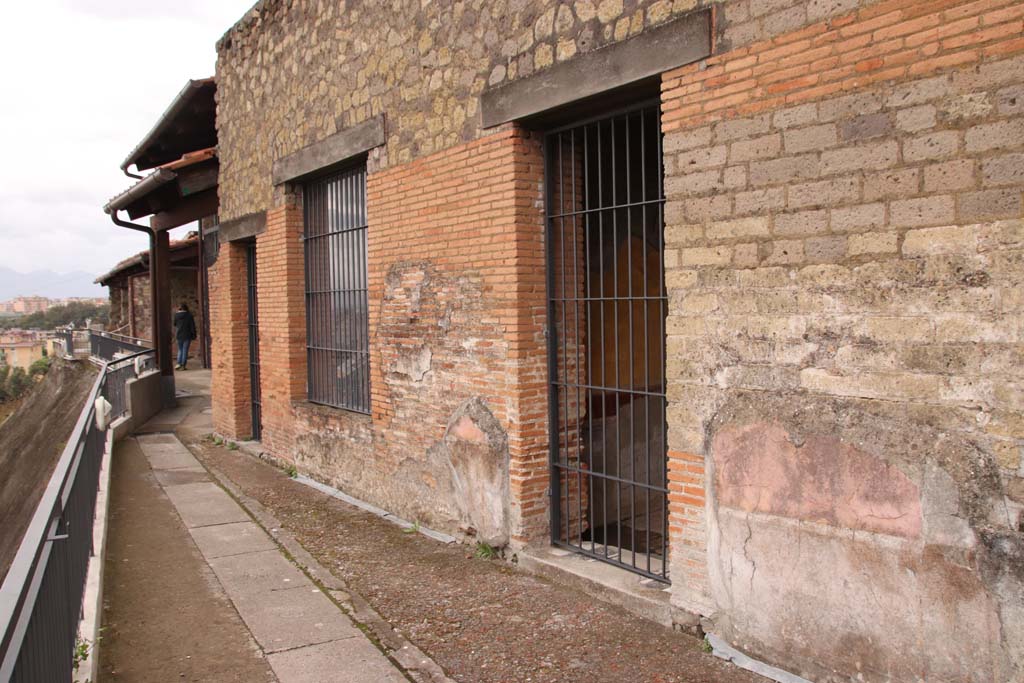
(337, 310)
(606, 315)
(254, 343)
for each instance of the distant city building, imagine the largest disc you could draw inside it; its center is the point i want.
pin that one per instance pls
(24, 305)
(21, 354)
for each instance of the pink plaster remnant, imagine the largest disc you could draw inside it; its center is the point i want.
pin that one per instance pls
(466, 430)
(760, 469)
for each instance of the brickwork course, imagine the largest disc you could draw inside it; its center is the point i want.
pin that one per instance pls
(843, 251)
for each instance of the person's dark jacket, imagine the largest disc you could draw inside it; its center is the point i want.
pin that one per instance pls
(185, 325)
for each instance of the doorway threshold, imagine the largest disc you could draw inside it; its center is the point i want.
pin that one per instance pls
(643, 597)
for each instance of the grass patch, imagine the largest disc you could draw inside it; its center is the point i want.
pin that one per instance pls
(485, 551)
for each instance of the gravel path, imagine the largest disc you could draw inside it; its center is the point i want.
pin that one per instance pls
(483, 621)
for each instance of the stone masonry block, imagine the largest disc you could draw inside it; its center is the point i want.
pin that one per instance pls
(763, 147)
(918, 92)
(1003, 170)
(787, 169)
(1010, 100)
(705, 256)
(988, 204)
(726, 131)
(700, 159)
(810, 138)
(678, 141)
(924, 211)
(915, 119)
(849, 105)
(754, 201)
(892, 184)
(755, 226)
(872, 243)
(799, 115)
(865, 127)
(824, 193)
(801, 223)
(939, 145)
(782, 252)
(950, 239)
(957, 174)
(1000, 135)
(860, 217)
(829, 249)
(871, 157)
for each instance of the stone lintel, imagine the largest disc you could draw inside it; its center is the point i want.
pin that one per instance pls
(246, 226)
(330, 151)
(653, 52)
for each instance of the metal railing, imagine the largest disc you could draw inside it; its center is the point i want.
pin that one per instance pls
(108, 345)
(41, 596)
(118, 373)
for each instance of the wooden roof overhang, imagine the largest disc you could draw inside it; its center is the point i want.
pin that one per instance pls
(176, 193)
(188, 124)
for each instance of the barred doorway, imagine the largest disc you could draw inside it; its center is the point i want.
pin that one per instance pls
(254, 341)
(606, 340)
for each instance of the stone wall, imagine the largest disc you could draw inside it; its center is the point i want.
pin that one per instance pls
(845, 342)
(844, 248)
(291, 73)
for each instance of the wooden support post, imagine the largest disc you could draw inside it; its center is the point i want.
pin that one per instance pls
(160, 296)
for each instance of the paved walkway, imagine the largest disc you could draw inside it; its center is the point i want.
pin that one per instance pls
(197, 591)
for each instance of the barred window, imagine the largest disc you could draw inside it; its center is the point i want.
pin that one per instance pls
(337, 317)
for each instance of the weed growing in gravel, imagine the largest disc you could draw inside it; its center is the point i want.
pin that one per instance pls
(485, 551)
(217, 441)
(291, 471)
(232, 446)
(414, 529)
(706, 645)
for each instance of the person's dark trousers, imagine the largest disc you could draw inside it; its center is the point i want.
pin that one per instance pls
(183, 345)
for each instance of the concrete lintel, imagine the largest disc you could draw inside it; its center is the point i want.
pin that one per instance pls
(682, 41)
(247, 226)
(330, 151)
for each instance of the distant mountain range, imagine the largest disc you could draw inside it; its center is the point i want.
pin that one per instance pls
(47, 283)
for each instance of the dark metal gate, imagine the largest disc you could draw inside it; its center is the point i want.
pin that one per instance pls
(606, 342)
(254, 343)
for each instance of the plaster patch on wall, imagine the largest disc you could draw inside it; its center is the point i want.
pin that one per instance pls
(476, 447)
(761, 467)
(414, 364)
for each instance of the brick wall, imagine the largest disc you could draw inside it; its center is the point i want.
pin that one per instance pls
(232, 414)
(456, 292)
(280, 276)
(844, 251)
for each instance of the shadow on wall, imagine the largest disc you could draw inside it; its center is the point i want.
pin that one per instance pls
(848, 536)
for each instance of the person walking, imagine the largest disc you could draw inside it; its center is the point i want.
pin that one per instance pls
(185, 332)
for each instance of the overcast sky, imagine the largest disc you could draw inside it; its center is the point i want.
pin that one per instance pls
(83, 81)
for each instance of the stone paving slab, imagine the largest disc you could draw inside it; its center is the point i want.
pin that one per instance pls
(181, 475)
(203, 504)
(308, 636)
(257, 573)
(222, 540)
(282, 620)
(154, 439)
(353, 660)
(163, 457)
